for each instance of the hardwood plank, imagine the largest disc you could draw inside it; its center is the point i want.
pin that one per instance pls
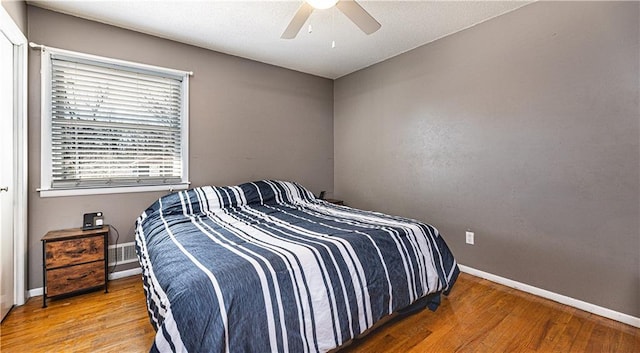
(94, 322)
(478, 316)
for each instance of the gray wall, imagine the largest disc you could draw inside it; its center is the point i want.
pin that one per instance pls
(17, 9)
(248, 121)
(524, 129)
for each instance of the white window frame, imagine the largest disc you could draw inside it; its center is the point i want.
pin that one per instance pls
(46, 134)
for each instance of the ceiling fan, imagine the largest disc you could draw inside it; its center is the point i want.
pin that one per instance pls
(350, 8)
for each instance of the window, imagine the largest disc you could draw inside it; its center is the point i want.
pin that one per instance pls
(111, 126)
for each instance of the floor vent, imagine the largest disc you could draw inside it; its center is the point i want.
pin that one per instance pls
(122, 253)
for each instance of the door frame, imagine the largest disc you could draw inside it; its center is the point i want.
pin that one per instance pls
(20, 45)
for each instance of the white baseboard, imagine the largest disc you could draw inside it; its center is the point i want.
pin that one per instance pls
(125, 273)
(115, 275)
(34, 292)
(562, 299)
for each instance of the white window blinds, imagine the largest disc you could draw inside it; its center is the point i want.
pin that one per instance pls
(113, 125)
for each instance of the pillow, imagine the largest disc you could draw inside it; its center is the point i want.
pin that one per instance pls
(210, 198)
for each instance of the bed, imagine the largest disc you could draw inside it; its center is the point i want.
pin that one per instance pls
(267, 267)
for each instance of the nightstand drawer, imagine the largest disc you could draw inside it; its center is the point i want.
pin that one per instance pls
(69, 279)
(74, 251)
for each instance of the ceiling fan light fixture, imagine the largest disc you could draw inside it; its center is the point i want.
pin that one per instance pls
(359, 16)
(322, 4)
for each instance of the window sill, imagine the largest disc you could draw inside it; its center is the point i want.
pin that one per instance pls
(112, 190)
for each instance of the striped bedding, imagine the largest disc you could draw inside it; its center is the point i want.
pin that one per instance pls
(266, 267)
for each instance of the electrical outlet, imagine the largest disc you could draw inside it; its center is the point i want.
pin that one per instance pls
(470, 237)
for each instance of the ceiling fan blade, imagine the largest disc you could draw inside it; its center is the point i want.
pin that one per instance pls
(298, 21)
(359, 16)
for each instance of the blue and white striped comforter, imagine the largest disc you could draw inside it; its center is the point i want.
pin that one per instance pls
(266, 267)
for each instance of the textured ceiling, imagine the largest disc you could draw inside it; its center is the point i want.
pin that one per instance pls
(252, 29)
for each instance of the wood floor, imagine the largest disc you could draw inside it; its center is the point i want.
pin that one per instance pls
(478, 316)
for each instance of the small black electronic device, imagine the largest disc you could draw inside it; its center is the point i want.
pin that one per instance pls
(93, 220)
(321, 196)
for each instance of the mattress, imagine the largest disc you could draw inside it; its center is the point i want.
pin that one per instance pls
(267, 267)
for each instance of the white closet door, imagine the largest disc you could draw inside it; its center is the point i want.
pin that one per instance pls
(7, 166)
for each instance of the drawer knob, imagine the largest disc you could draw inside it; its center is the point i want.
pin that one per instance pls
(77, 278)
(75, 253)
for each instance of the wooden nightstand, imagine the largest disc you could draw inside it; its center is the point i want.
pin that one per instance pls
(74, 261)
(334, 201)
